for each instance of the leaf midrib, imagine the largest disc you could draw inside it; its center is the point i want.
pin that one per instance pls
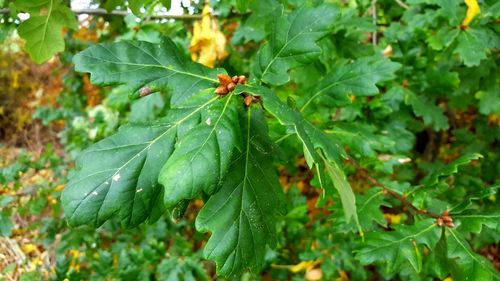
(338, 82)
(44, 34)
(151, 65)
(402, 239)
(288, 43)
(452, 232)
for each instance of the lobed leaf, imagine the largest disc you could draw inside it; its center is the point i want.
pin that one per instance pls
(293, 42)
(465, 263)
(119, 175)
(358, 78)
(432, 114)
(140, 64)
(202, 157)
(450, 169)
(313, 140)
(242, 215)
(473, 221)
(43, 30)
(401, 245)
(471, 47)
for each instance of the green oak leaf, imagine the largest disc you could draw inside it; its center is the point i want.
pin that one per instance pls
(141, 64)
(146, 108)
(136, 5)
(313, 140)
(471, 48)
(202, 157)
(401, 245)
(181, 268)
(465, 263)
(369, 208)
(242, 215)
(432, 114)
(473, 221)
(255, 27)
(358, 78)
(43, 31)
(285, 115)
(293, 42)
(489, 101)
(442, 38)
(450, 169)
(344, 189)
(437, 261)
(474, 196)
(119, 175)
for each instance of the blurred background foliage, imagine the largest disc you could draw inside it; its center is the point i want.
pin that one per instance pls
(444, 102)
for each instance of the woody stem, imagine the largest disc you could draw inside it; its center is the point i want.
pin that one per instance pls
(393, 194)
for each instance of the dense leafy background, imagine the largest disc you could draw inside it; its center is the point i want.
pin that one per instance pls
(405, 101)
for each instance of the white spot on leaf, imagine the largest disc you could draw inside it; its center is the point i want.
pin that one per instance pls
(116, 177)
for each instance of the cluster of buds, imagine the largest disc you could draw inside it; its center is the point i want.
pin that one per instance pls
(445, 219)
(227, 84)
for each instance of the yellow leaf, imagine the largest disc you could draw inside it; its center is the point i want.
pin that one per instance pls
(59, 187)
(393, 218)
(208, 43)
(472, 11)
(303, 265)
(29, 248)
(342, 276)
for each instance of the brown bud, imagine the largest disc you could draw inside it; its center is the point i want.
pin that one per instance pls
(446, 213)
(248, 100)
(221, 90)
(231, 86)
(450, 224)
(439, 221)
(224, 79)
(242, 79)
(235, 79)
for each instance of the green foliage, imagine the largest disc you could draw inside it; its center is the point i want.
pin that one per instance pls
(242, 215)
(43, 30)
(292, 42)
(145, 65)
(360, 145)
(404, 244)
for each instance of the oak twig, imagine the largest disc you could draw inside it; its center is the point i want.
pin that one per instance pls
(118, 13)
(393, 194)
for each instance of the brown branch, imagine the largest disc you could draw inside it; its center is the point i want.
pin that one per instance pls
(395, 195)
(118, 13)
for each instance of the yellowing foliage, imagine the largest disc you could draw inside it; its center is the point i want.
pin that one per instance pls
(208, 43)
(393, 218)
(303, 265)
(472, 11)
